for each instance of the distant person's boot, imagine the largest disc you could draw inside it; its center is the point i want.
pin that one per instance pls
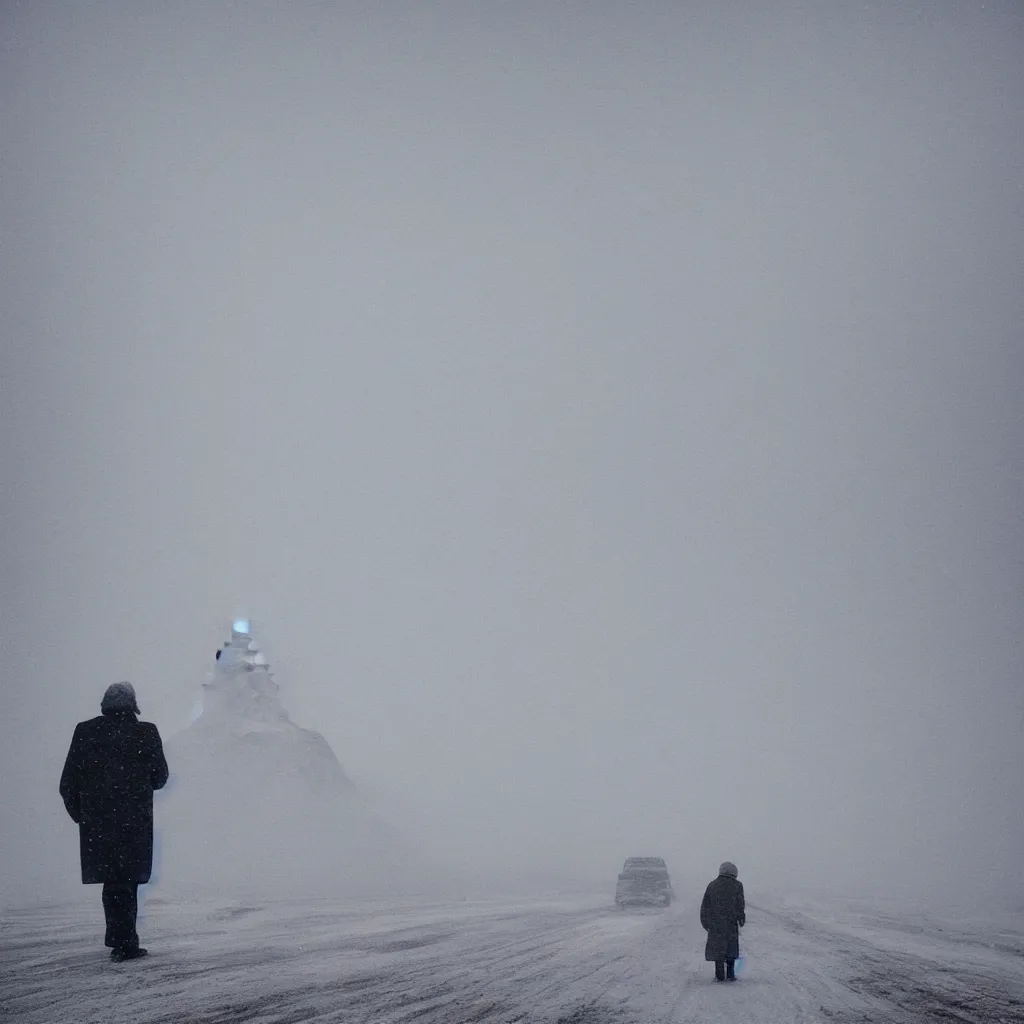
(730, 970)
(719, 970)
(120, 953)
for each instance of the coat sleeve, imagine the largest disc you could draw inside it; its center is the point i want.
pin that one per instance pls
(71, 777)
(158, 763)
(741, 907)
(704, 921)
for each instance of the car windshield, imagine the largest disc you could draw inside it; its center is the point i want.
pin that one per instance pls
(644, 864)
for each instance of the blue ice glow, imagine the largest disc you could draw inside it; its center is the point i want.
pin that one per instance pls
(240, 625)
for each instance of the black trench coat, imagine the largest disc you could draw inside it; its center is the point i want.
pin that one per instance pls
(114, 764)
(722, 911)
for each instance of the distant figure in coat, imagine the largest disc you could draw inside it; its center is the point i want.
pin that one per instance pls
(114, 764)
(722, 914)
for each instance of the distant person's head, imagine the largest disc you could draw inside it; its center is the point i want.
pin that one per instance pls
(728, 868)
(120, 697)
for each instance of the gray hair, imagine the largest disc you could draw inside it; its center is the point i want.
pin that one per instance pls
(119, 697)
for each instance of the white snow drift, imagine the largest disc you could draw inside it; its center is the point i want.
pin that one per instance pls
(259, 804)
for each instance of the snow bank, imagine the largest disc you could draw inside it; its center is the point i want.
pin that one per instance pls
(259, 805)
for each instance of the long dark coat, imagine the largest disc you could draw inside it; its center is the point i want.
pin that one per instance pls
(722, 911)
(114, 764)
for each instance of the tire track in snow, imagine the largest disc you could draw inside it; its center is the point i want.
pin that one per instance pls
(535, 963)
(853, 977)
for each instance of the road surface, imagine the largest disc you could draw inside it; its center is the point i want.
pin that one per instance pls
(568, 960)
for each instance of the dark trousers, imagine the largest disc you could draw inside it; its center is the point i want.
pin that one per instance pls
(725, 970)
(120, 907)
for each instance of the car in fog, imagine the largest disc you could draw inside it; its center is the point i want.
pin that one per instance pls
(643, 881)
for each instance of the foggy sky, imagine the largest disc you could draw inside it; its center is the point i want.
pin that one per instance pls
(609, 415)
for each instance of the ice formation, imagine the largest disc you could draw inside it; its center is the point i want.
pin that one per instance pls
(258, 803)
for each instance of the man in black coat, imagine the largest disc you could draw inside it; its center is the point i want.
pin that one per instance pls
(722, 914)
(114, 764)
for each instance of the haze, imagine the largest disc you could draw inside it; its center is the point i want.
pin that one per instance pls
(609, 415)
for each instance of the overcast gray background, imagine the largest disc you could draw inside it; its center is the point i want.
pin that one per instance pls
(609, 413)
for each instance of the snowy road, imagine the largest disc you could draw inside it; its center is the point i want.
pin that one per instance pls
(571, 960)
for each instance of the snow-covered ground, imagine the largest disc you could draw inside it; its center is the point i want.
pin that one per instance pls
(571, 959)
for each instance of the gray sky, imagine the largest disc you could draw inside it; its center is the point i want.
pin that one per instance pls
(609, 413)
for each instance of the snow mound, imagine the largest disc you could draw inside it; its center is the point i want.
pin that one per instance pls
(258, 804)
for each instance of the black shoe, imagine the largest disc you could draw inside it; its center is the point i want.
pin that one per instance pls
(120, 953)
